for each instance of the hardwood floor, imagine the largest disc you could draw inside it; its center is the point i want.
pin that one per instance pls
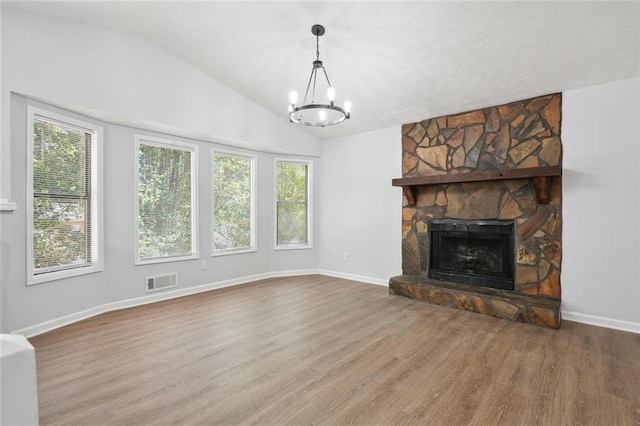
(321, 350)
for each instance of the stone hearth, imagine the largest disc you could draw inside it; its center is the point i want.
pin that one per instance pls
(519, 135)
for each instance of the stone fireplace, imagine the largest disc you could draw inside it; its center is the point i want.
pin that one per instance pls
(482, 211)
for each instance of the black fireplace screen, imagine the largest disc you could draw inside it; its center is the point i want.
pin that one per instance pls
(475, 252)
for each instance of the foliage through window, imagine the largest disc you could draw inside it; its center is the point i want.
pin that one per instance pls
(165, 207)
(63, 196)
(233, 206)
(292, 203)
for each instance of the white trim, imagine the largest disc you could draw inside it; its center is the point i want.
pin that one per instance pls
(166, 259)
(195, 196)
(53, 324)
(354, 277)
(235, 152)
(46, 326)
(300, 246)
(63, 274)
(97, 201)
(228, 252)
(253, 170)
(7, 206)
(97, 195)
(293, 273)
(309, 243)
(615, 324)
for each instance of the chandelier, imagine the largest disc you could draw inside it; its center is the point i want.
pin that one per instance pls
(312, 113)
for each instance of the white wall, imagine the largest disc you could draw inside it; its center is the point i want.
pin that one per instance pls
(600, 269)
(127, 79)
(360, 212)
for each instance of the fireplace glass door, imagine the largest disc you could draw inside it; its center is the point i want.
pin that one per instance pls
(470, 252)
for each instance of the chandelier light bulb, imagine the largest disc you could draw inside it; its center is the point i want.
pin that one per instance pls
(322, 114)
(331, 93)
(293, 98)
(347, 106)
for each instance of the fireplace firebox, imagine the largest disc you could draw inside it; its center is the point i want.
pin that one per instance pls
(474, 252)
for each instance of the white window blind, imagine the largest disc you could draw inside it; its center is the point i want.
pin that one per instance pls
(62, 219)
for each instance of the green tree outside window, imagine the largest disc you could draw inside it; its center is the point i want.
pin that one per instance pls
(164, 202)
(232, 208)
(292, 203)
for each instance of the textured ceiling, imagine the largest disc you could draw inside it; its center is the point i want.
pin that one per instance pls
(398, 62)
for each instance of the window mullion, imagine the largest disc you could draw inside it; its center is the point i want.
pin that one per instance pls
(61, 196)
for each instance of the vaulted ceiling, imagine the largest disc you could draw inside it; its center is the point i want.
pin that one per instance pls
(398, 62)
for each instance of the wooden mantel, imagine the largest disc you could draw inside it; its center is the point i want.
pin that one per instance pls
(540, 175)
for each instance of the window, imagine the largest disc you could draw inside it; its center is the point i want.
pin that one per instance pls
(64, 200)
(293, 205)
(166, 188)
(233, 203)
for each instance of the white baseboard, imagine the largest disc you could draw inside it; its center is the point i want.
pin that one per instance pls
(615, 324)
(293, 273)
(354, 277)
(43, 327)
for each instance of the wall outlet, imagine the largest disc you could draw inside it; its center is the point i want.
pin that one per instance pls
(345, 256)
(203, 265)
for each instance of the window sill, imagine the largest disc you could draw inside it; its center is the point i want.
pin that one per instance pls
(60, 275)
(229, 252)
(7, 206)
(139, 262)
(293, 247)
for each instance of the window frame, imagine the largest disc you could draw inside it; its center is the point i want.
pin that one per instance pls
(96, 196)
(253, 159)
(295, 246)
(193, 148)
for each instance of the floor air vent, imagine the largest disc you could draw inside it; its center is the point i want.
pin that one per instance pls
(158, 282)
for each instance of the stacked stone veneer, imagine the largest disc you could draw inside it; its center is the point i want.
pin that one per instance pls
(522, 134)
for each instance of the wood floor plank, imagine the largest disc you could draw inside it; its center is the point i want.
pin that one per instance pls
(322, 350)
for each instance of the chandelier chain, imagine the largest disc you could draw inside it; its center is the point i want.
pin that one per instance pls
(313, 93)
